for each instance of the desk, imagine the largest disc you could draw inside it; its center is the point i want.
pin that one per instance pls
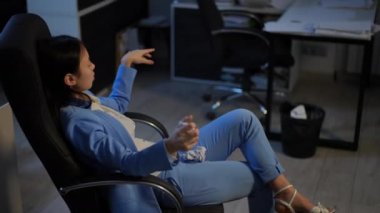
(303, 21)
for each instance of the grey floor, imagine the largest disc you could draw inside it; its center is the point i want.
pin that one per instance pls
(346, 180)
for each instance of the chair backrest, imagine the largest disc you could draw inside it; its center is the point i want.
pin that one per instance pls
(159, 8)
(234, 49)
(210, 14)
(19, 73)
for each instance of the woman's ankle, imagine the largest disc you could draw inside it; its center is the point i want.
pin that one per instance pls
(299, 202)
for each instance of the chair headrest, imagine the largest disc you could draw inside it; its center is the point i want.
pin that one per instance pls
(21, 81)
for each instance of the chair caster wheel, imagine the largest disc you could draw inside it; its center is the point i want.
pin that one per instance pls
(211, 115)
(206, 97)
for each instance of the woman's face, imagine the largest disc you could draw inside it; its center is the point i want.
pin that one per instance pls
(85, 76)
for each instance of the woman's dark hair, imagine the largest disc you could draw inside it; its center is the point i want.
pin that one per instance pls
(58, 56)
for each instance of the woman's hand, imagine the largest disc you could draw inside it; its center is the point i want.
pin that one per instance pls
(138, 57)
(184, 137)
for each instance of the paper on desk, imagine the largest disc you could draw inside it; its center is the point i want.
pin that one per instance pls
(357, 27)
(278, 4)
(347, 3)
(366, 36)
(281, 4)
(354, 28)
(289, 27)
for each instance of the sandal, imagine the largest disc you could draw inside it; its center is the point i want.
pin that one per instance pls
(316, 209)
(321, 209)
(288, 205)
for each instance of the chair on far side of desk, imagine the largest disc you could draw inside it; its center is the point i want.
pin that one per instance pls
(157, 23)
(247, 48)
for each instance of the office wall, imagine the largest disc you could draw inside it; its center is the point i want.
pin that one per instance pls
(97, 25)
(329, 58)
(317, 57)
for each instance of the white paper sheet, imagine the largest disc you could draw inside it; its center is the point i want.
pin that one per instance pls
(357, 27)
(347, 3)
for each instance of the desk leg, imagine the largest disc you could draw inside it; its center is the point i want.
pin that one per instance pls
(364, 80)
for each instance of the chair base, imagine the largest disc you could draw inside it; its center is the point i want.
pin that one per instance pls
(236, 93)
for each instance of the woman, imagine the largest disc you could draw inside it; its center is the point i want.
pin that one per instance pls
(104, 138)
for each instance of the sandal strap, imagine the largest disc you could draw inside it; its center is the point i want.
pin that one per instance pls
(288, 204)
(293, 196)
(283, 189)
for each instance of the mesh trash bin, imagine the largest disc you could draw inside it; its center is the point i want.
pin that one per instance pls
(300, 136)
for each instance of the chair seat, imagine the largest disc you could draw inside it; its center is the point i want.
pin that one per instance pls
(154, 22)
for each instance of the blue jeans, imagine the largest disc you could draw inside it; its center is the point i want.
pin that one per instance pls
(217, 180)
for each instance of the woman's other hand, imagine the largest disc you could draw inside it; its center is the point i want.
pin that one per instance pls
(138, 57)
(184, 137)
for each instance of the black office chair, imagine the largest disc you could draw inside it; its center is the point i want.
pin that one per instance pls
(78, 185)
(247, 48)
(155, 24)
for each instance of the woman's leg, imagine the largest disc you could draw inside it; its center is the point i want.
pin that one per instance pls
(241, 129)
(214, 182)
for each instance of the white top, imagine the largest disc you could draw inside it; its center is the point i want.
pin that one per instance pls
(130, 126)
(128, 123)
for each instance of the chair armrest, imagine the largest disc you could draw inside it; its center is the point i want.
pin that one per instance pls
(120, 179)
(257, 22)
(250, 32)
(150, 121)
